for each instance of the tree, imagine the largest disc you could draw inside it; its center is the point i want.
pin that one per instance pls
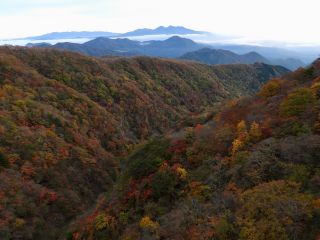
(316, 89)
(297, 102)
(271, 88)
(104, 221)
(317, 124)
(163, 185)
(255, 131)
(237, 145)
(273, 211)
(241, 127)
(242, 137)
(147, 224)
(3, 160)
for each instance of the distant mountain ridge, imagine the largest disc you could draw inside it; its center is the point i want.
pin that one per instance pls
(170, 30)
(219, 56)
(73, 34)
(291, 58)
(173, 47)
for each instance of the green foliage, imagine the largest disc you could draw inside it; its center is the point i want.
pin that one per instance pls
(293, 128)
(298, 173)
(147, 159)
(124, 217)
(163, 185)
(68, 236)
(297, 102)
(3, 70)
(3, 160)
(224, 229)
(308, 73)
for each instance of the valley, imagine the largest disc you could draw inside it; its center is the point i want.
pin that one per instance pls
(67, 120)
(159, 120)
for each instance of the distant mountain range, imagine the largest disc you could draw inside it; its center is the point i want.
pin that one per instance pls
(170, 30)
(72, 35)
(219, 56)
(173, 47)
(155, 42)
(290, 63)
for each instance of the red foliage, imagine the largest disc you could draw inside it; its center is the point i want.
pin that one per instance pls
(2, 195)
(178, 147)
(266, 132)
(198, 128)
(146, 194)
(42, 195)
(53, 196)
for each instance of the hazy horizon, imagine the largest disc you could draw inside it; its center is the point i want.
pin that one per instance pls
(263, 21)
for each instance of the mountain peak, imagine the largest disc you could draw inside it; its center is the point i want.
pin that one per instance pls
(220, 56)
(180, 42)
(162, 30)
(177, 38)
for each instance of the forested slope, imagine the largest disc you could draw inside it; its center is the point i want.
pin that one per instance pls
(65, 119)
(250, 172)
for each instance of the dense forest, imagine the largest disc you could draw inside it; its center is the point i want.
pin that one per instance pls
(251, 172)
(68, 123)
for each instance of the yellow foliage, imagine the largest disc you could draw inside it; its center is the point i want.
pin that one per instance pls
(199, 190)
(182, 172)
(317, 125)
(2, 130)
(242, 138)
(271, 88)
(147, 224)
(316, 89)
(104, 221)
(241, 127)
(19, 222)
(316, 203)
(237, 145)
(255, 131)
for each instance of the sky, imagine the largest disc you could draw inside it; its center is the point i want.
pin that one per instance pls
(278, 20)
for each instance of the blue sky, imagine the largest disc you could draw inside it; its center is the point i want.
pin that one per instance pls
(280, 20)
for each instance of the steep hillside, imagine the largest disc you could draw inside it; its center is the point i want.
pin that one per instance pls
(219, 56)
(65, 119)
(251, 172)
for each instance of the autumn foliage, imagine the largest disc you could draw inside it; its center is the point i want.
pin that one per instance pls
(101, 149)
